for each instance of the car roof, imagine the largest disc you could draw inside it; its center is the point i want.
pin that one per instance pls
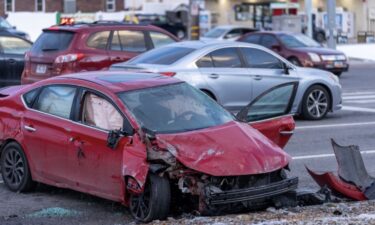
(119, 81)
(99, 26)
(208, 44)
(274, 32)
(232, 27)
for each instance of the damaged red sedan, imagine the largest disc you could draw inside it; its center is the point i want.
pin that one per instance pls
(147, 141)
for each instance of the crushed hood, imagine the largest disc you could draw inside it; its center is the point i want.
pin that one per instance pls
(232, 149)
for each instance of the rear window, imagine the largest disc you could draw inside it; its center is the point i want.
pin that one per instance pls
(162, 56)
(52, 41)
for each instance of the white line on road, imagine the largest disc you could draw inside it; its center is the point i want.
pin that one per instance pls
(1, 182)
(358, 93)
(336, 125)
(326, 155)
(358, 97)
(360, 101)
(358, 109)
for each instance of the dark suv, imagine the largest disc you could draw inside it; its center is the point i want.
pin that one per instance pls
(300, 50)
(86, 47)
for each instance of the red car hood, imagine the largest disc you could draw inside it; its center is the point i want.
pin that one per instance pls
(232, 149)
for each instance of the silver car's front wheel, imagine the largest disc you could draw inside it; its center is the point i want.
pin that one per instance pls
(316, 103)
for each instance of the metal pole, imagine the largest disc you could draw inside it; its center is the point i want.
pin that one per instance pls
(308, 8)
(189, 23)
(331, 22)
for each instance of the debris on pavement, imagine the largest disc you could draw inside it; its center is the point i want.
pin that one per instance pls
(353, 180)
(54, 212)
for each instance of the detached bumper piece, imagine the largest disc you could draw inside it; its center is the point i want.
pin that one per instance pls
(352, 181)
(252, 194)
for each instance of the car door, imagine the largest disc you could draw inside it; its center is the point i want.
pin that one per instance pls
(12, 54)
(126, 44)
(266, 70)
(98, 167)
(46, 125)
(224, 72)
(270, 113)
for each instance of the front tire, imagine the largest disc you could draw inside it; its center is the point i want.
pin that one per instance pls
(295, 61)
(15, 169)
(154, 202)
(315, 103)
(337, 73)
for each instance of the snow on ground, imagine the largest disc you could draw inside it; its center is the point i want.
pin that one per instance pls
(361, 213)
(358, 51)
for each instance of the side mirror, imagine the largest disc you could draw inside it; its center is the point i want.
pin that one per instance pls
(114, 137)
(276, 48)
(286, 68)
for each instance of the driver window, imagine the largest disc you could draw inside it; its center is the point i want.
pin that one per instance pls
(274, 103)
(98, 112)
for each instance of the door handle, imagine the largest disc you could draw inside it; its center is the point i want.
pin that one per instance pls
(11, 61)
(29, 128)
(287, 132)
(258, 77)
(214, 75)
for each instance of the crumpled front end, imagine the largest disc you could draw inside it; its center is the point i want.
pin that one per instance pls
(211, 193)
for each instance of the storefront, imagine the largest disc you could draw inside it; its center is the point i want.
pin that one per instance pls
(354, 15)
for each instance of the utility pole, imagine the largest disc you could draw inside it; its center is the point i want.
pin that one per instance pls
(193, 20)
(308, 9)
(331, 22)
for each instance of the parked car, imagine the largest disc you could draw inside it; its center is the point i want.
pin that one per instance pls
(228, 32)
(300, 50)
(233, 73)
(87, 47)
(12, 54)
(7, 28)
(138, 138)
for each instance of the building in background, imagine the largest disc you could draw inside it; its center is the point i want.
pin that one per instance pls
(353, 15)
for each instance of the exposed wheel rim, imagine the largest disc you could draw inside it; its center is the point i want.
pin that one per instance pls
(14, 168)
(140, 204)
(317, 103)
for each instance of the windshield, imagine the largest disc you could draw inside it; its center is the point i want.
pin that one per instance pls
(161, 56)
(298, 41)
(174, 108)
(5, 24)
(215, 33)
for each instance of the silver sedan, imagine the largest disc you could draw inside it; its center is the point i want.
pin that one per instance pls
(235, 73)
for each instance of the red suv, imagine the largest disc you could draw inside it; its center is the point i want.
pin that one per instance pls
(86, 47)
(300, 50)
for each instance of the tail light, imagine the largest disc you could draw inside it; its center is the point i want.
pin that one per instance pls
(168, 74)
(69, 58)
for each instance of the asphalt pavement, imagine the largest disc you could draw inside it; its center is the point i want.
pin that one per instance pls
(310, 146)
(353, 125)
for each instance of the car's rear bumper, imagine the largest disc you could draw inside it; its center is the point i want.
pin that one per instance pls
(254, 193)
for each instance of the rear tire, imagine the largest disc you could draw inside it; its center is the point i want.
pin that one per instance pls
(209, 94)
(15, 169)
(154, 202)
(315, 103)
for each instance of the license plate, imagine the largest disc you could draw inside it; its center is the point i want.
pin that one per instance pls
(41, 69)
(338, 64)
